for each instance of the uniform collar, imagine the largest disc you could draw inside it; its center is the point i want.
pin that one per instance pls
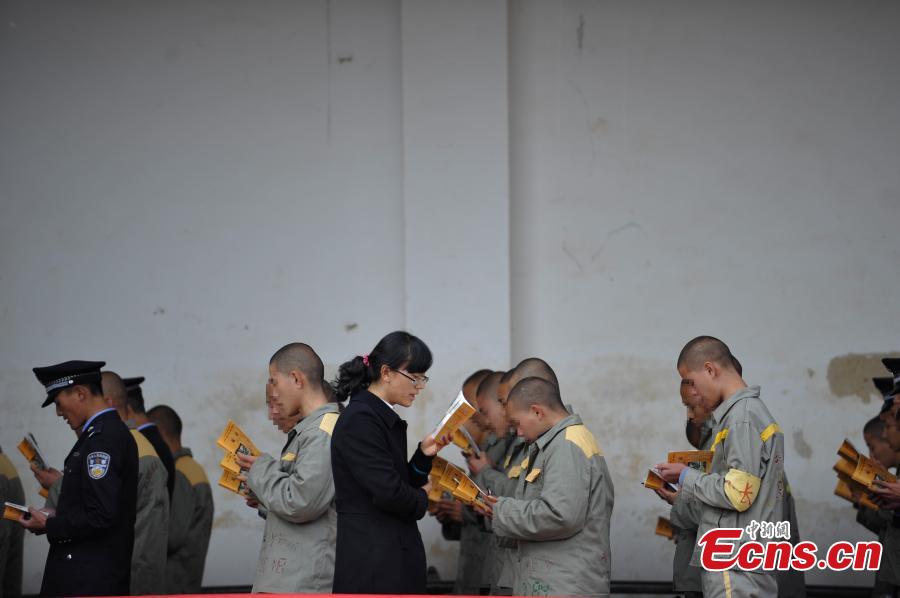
(388, 415)
(313, 418)
(88, 423)
(545, 438)
(143, 427)
(745, 393)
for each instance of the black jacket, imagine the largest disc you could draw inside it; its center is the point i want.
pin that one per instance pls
(378, 497)
(151, 433)
(92, 534)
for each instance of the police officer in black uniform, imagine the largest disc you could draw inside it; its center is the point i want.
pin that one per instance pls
(91, 532)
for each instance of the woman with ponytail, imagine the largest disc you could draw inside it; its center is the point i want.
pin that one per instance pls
(378, 493)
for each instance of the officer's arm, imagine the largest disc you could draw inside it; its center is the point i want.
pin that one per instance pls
(372, 466)
(100, 502)
(306, 491)
(53, 494)
(560, 511)
(181, 511)
(738, 488)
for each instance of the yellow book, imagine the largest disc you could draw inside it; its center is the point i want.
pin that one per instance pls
(664, 528)
(654, 481)
(867, 471)
(12, 511)
(230, 481)
(460, 410)
(848, 451)
(233, 440)
(229, 463)
(29, 449)
(696, 459)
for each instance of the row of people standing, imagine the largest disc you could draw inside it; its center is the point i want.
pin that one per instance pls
(131, 511)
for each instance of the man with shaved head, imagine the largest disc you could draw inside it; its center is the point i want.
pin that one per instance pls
(746, 477)
(191, 512)
(151, 525)
(297, 489)
(560, 515)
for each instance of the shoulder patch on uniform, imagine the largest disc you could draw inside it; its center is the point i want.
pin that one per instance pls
(327, 423)
(98, 464)
(192, 470)
(7, 469)
(719, 438)
(581, 437)
(506, 462)
(533, 475)
(145, 449)
(289, 457)
(770, 431)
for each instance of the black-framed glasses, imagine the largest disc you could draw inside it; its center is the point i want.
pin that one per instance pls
(423, 380)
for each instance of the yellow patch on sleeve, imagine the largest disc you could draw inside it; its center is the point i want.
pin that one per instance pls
(7, 469)
(581, 437)
(288, 456)
(770, 431)
(327, 423)
(514, 472)
(508, 459)
(719, 438)
(533, 475)
(741, 488)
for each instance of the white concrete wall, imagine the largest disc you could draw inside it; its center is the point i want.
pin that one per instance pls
(707, 168)
(187, 186)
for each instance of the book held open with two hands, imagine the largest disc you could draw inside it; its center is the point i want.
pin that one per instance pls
(447, 477)
(32, 453)
(856, 475)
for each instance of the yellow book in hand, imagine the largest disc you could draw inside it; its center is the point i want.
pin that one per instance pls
(229, 463)
(460, 410)
(29, 449)
(230, 481)
(12, 511)
(234, 440)
(695, 459)
(654, 481)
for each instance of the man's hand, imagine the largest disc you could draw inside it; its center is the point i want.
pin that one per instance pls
(45, 477)
(488, 509)
(667, 495)
(479, 464)
(245, 461)
(251, 502)
(886, 494)
(36, 520)
(449, 510)
(431, 446)
(670, 472)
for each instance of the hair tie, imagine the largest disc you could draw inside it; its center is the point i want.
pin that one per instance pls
(366, 360)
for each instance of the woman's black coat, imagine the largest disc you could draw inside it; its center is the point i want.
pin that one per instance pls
(379, 498)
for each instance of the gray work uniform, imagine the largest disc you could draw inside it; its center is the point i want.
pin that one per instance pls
(474, 565)
(879, 522)
(190, 526)
(297, 490)
(560, 515)
(791, 583)
(12, 534)
(685, 518)
(745, 483)
(505, 548)
(151, 525)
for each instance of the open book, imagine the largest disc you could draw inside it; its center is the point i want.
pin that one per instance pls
(233, 441)
(32, 453)
(857, 474)
(654, 481)
(463, 439)
(700, 460)
(460, 410)
(450, 478)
